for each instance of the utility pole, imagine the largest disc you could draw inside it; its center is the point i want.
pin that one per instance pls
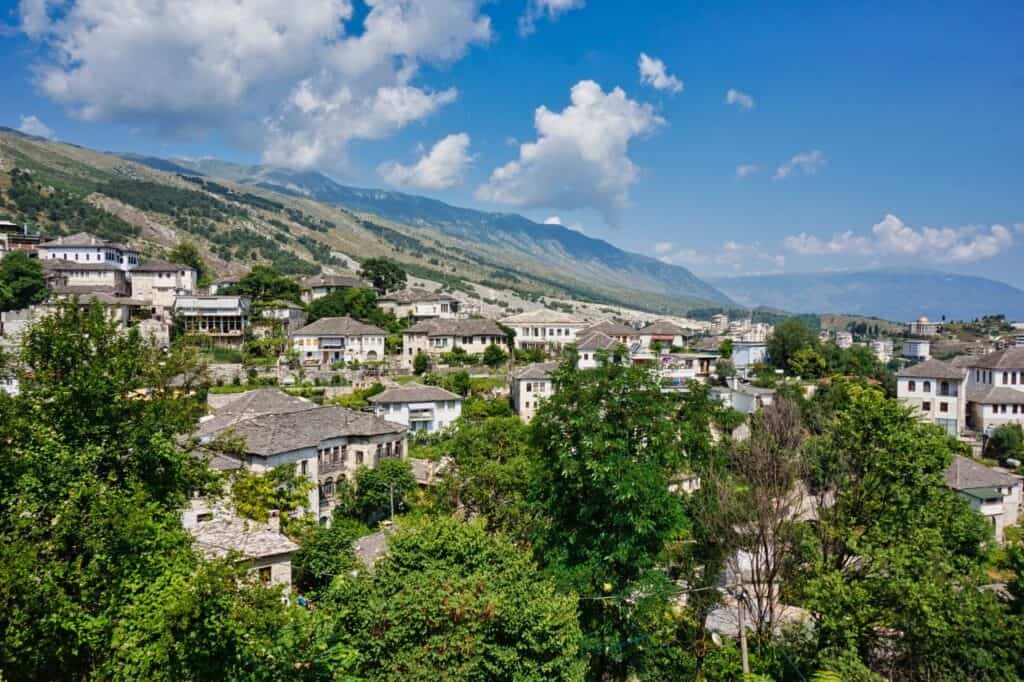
(743, 636)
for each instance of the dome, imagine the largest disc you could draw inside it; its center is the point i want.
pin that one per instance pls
(922, 320)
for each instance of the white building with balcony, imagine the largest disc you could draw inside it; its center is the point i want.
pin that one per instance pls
(223, 319)
(844, 339)
(419, 407)
(437, 336)
(83, 247)
(544, 329)
(882, 348)
(338, 339)
(936, 392)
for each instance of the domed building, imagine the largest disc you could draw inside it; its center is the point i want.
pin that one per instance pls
(923, 327)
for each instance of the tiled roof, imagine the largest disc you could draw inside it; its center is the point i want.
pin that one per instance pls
(539, 370)
(262, 401)
(440, 327)
(413, 393)
(414, 295)
(1008, 358)
(997, 395)
(596, 341)
(339, 326)
(325, 280)
(611, 328)
(543, 316)
(933, 369)
(965, 473)
(161, 266)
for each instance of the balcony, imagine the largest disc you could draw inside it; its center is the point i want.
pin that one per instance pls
(421, 415)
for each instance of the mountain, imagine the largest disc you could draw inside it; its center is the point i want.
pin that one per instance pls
(554, 248)
(891, 294)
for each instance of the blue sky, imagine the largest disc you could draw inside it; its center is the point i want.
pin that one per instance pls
(866, 134)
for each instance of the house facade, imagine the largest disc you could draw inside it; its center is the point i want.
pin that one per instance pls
(995, 389)
(937, 393)
(420, 304)
(319, 286)
(592, 346)
(544, 329)
(917, 350)
(664, 333)
(160, 283)
(622, 333)
(291, 315)
(420, 408)
(75, 276)
(86, 248)
(223, 319)
(338, 339)
(530, 386)
(993, 493)
(436, 336)
(747, 354)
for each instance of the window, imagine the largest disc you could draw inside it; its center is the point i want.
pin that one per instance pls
(911, 386)
(927, 387)
(304, 467)
(359, 458)
(204, 517)
(943, 407)
(529, 388)
(265, 574)
(1015, 409)
(328, 487)
(926, 406)
(1006, 378)
(1002, 409)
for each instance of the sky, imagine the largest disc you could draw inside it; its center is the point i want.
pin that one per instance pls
(728, 137)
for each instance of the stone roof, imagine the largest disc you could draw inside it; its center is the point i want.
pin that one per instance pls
(539, 370)
(262, 401)
(963, 361)
(413, 393)
(933, 369)
(85, 239)
(1008, 358)
(440, 327)
(61, 264)
(339, 326)
(371, 548)
(663, 328)
(611, 328)
(97, 295)
(997, 395)
(596, 341)
(325, 280)
(272, 434)
(415, 295)
(230, 533)
(161, 266)
(965, 473)
(543, 316)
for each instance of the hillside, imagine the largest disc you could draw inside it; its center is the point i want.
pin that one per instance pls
(900, 295)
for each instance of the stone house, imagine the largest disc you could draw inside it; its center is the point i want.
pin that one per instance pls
(436, 336)
(419, 407)
(338, 339)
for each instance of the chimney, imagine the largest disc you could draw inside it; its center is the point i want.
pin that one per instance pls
(274, 520)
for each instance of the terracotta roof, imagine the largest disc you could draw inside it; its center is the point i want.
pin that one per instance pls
(161, 266)
(415, 295)
(325, 280)
(339, 326)
(965, 473)
(596, 341)
(413, 393)
(539, 370)
(611, 328)
(439, 327)
(997, 395)
(933, 369)
(543, 316)
(1008, 358)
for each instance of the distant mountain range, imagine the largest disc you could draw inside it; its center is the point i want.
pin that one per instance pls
(504, 237)
(900, 295)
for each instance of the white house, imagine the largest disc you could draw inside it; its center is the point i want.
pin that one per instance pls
(622, 333)
(844, 339)
(325, 444)
(936, 391)
(291, 315)
(544, 328)
(590, 346)
(222, 318)
(530, 386)
(994, 494)
(995, 389)
(747, 354)
(83, 247)
(419, 407)
(334, 339)
(677, 369)
(748, 399)
(420, 304)
(160, 283)
(882, 348)
(917, 350)
(319, 286)
(435, 336)
(663, 332)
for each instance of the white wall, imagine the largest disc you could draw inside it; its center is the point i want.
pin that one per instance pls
(445, 413)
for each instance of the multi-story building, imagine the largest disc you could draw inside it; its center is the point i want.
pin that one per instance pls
(995, 389)
(338, 339)
(14, 237)
(719, 323)
(291, 315)
(917, 350)
(544, 328)
(77, 276)
(590, 346)
(936, 392)
(677, 369)
(844, 339)
(530, 386)
(419, 407)
(420, 304)
(223, 319)
(327, 445)
(622, 333)
(319, 286)
(83, 247)
(663, 332)
(745, 355)
(159, 283)
(994, 494)
(882, 348)
(437, 336)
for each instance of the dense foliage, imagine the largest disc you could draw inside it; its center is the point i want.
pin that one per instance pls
(21, 281)
(385, 274)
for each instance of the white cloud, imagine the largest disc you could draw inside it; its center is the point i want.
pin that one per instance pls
(892, 237)
(807, 163)
(653, 73)
(740, 99)
(731, 258)
(539, 9)
(441, 168)
(745, 169)
(663, 247)
(552, 220)
(31, 125)
(580, 157)
(303, 77)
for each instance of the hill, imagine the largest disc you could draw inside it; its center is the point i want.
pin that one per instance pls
(900, 295)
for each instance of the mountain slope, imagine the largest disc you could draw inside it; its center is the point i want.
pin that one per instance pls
(557, 249)
(890, 294)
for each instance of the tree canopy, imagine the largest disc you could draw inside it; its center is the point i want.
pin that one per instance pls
(385, 274)
(21, 281)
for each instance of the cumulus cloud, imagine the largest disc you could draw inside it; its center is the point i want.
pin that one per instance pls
(663, 247)
(440, 168)
(540, 9)
(579, 159)
(305, 76)
(740, 99)
(745, 169)
(31, 125)
(553, 220)
(807, 163)
(892, 237)
(653, 73)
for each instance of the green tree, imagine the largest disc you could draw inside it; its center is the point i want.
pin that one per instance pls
(21, 281)
(494, 355)
(606, 449)
(420, 362)
(725, 350)
(188, 253)
(262, 284)
(807, 363)
(325, 552)
(376, 487)
(1006, 441)
(385, 274)
(358, 303)
(281, 489)
(788, 337)
(450, 601)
